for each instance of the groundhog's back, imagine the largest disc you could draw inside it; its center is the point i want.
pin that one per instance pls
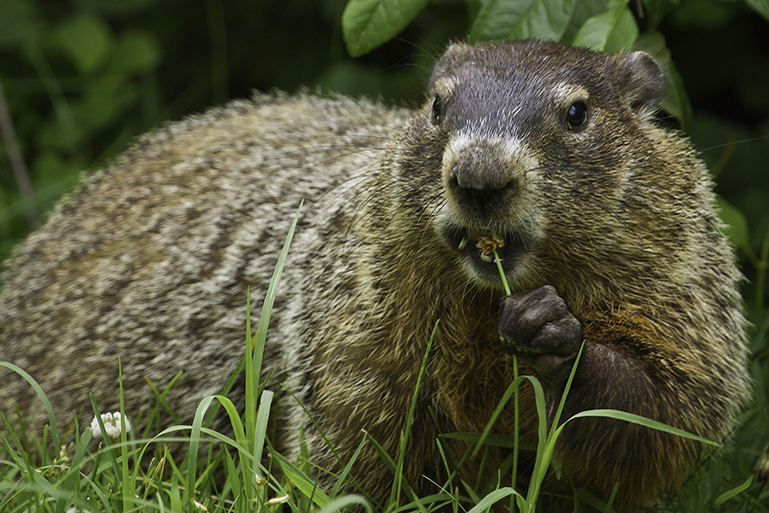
(149, 260)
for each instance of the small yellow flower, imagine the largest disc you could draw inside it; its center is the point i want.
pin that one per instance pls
(488, 244)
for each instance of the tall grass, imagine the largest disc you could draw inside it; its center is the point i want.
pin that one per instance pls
(226, 472)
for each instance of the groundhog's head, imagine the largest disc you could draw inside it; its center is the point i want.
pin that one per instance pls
(530, 142)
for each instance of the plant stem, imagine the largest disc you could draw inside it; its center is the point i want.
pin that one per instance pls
(17, 162)
(761, 267)
(515, 394)
(501, 272)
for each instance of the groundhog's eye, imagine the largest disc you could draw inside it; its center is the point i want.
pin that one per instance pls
(437, 108)
(576, 115)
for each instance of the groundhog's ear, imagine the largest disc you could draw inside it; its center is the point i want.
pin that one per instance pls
(455, 54)
(642, 82)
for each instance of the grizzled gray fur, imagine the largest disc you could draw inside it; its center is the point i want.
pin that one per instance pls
(606, 231)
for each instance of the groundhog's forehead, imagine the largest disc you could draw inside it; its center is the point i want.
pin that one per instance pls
(519, 86)
(524, 60)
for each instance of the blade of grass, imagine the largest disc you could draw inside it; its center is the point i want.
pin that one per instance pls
(272, 290)
(396, 490)
(562, 402)
(127, 488)
(734, 491)
(96, 489)
(106, 442)
(316, 426)
(39, 391)
(297, 478)
(34, 477)
(254, 362)
(234, 375)
(160, 402)
(232, 474)
(641, 421)
(260, 432)
(546, 444)
(509, 392)
(341, 503)
(348, 467)
(192, 456)
(493, 498)
(250, 413)
(70, 478)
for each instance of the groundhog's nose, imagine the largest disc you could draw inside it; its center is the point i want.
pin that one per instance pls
(481, 176)
(483, 180)
(481, 186)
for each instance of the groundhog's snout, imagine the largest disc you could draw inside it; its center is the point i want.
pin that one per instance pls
(482, 176)
(481, 173)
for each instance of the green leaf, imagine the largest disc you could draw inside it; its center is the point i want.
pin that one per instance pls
(610, 31)
(736, 225)
(136, 52)
(115, 7)
(19, 22)
(734, 491)
(502, 19)
(367, 24)
(103, 101)
(676, 101)
(583, 10)
(760, 6)
(85, 39)
(51, 169)
(656, 10)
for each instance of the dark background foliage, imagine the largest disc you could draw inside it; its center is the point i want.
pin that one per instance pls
(81, 78)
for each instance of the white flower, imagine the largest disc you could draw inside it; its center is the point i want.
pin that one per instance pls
(111, 424)
(73, 510)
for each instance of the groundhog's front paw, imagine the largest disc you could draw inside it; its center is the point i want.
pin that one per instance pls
(538, 327)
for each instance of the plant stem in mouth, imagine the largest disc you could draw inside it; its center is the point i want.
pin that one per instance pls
(501, 271)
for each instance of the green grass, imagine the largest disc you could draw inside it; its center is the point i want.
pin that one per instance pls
(226, 472)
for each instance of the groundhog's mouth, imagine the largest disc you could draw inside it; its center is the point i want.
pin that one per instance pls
(477, 245)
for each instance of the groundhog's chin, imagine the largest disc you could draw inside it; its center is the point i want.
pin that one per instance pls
(475, 249)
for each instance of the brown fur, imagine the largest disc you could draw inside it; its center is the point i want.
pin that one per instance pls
(149, 261)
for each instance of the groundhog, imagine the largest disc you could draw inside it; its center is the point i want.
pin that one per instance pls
(605, 229)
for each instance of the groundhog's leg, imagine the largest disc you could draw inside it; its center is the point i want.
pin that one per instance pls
(598, 452)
